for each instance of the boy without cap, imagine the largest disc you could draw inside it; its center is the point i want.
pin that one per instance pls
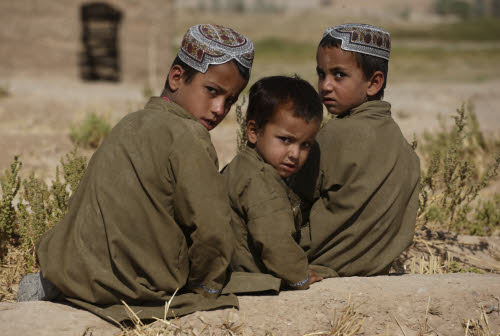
(151, 213)
(363, 208)
(283, 118)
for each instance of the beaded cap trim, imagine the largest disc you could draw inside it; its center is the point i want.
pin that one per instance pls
(362, 38)
(207, 44)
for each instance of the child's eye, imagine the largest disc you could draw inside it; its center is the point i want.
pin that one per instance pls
(306, 145)
(339, 74)
(284, 139)
(321, 74)
(211, 90)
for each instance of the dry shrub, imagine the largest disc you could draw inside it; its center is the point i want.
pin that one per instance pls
(241, 131)
(90, 132)
(28, 208)
(455, 174)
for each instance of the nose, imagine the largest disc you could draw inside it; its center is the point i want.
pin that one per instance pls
(218, 107)
(325, 85)
(293, 152)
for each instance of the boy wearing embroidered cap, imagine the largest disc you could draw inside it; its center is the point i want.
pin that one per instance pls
(365, 174)
(151, 214)
(283, 117)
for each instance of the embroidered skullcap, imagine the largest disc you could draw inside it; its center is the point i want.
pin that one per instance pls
(207, 44)
(362, 38)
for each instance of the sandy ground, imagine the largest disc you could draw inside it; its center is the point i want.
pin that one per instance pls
(387, 305)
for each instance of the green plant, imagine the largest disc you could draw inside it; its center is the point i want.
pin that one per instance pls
(456, 7)
(4, 91)
(90, 131)
(10, 184)
(241, 131)
(485, 219)
(39, 207)
(452, 182)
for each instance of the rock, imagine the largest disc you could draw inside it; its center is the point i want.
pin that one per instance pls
(387, 304)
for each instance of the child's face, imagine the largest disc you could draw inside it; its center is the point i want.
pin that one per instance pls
(341, 82)
(285, 140)
(210, 95)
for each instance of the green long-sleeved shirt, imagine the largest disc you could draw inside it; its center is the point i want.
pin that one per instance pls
(266, 221)
(362, 190)
(150, 216)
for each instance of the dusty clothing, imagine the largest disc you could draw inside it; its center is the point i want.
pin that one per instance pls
(364, 206)
(150, 216)
(266, 222)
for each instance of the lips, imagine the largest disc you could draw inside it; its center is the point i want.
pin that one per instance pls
(329, 101)
(209, 124)
(289, 167)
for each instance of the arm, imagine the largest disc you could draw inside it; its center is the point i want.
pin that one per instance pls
(271, 226)
(202, 211)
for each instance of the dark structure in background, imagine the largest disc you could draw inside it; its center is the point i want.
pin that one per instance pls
(100, 57)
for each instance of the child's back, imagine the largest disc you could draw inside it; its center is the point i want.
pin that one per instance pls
(367, 193)
(139, 214)
(366, 174)
(150, 215)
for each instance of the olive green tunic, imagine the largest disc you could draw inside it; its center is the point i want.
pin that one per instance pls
(266, 222)
(150, 216)
(364, 206)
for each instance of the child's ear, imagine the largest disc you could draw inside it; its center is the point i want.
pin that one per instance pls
(375, 83)
(252, 131)
(175, 77)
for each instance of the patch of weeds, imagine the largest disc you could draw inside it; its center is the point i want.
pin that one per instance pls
(455, 175)
(4, 91)
(90, 131)
(285, 50)
(241, 131)
(467, 30)
(39, 207)
(10, 183)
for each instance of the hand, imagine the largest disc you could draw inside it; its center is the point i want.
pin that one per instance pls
(314, 277)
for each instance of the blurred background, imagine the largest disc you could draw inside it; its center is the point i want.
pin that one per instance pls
(70, 68)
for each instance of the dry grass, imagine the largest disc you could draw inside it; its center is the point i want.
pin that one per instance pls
(348, 322)
(11, 271)
(480, 327)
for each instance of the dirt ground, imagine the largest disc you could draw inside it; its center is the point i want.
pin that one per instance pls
(417, 305)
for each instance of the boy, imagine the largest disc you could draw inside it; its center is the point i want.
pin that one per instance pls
(283, 117)
(366, 174)
(151, 214)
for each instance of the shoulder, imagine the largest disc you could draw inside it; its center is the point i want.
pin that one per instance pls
(346, 133)
(246, 173)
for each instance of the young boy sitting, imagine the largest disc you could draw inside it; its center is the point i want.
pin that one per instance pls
(366, 174)
(151, 213)
(283, 117)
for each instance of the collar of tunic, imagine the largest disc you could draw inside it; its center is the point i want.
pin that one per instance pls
(373, 107)
(168, 106)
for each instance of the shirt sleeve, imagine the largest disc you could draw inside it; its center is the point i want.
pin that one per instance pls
(201, 209)
(271, 227)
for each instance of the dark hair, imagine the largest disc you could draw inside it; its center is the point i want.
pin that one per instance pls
(190, 72)
(267, 94)
(369, 64)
